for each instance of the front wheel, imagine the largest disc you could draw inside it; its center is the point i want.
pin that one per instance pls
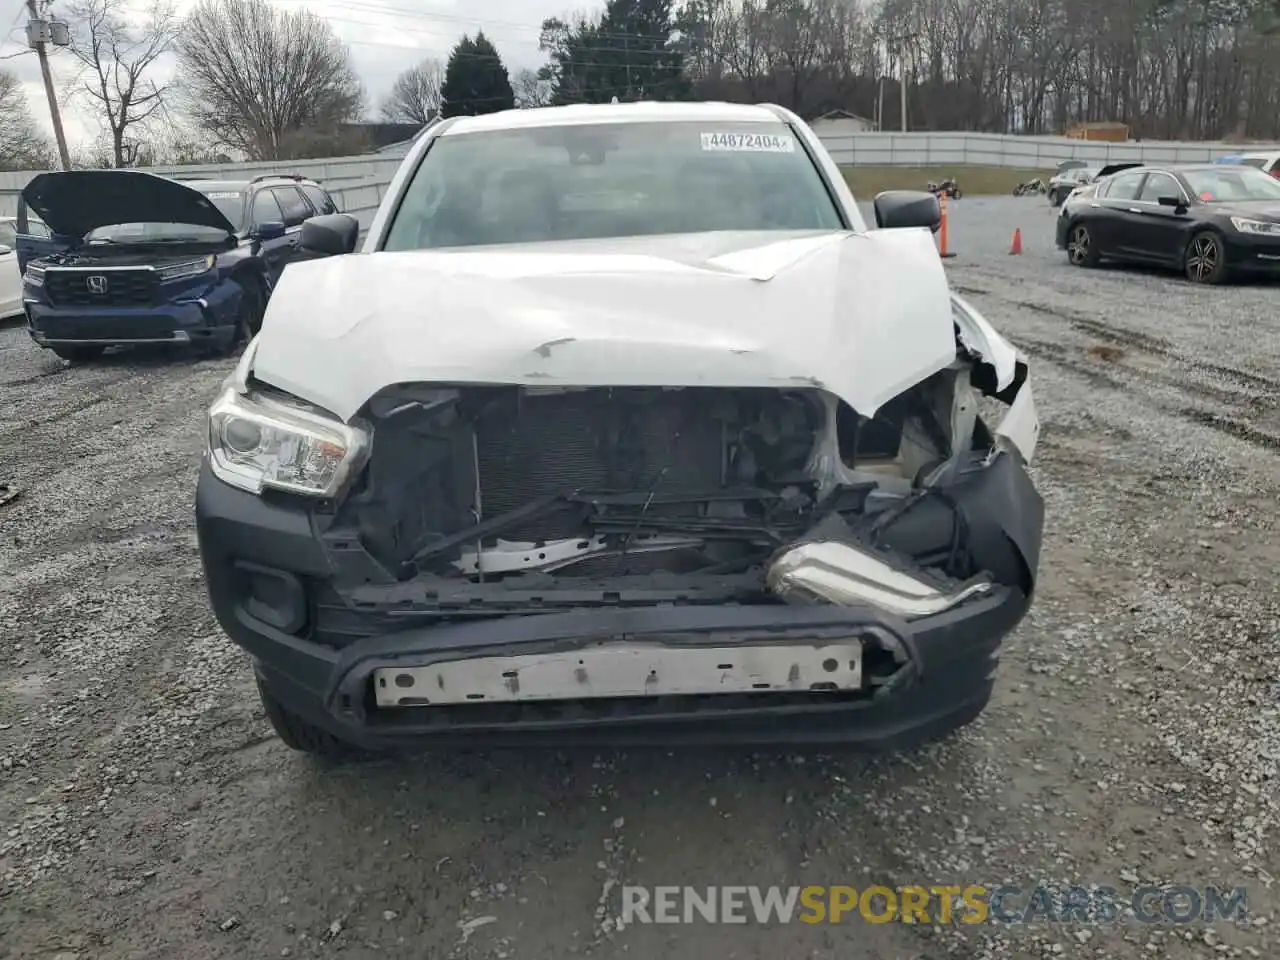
(1082, 250)
(1205, 260)
(248, 318)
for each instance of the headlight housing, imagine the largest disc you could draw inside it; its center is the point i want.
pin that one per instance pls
(261, 441)
(189, 268)
(1262, 227)
(34, 275)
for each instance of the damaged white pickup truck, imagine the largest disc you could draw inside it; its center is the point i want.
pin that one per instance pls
(621, 425)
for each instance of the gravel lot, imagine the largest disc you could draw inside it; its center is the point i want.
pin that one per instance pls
(147, 811)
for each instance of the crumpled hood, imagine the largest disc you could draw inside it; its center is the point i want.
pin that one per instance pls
(73, 202)
(864, 316)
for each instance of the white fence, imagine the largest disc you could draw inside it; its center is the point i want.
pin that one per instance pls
(999, 150)
(357, 183)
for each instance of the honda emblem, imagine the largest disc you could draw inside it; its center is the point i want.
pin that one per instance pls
(96, 284)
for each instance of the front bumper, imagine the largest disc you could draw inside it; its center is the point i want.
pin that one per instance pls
(211, 316)
(1250, 253)
(1060, 230)
(263, 558)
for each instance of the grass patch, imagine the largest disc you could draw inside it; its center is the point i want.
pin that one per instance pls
(866, 182)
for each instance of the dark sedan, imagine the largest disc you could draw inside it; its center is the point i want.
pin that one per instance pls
(1211, 221)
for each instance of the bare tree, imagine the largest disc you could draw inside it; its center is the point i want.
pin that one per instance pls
(530, 89)
(116, 51)
(415, 96)
(1197, 69)
(273, 84)
(22, 145)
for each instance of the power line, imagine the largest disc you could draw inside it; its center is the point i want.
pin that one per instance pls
(483, 24)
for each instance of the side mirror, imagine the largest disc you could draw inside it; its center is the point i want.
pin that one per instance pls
(4, 248)
(271, 230)
(896, 209)
(1175, 202)
(330, 235)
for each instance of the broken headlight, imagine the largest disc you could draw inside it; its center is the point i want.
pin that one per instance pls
(259, 441)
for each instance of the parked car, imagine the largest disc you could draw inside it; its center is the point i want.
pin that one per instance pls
(623, 425)
(1062, 183)
(138, 258)
(10, 273)
(1268, 163)
(1211, 221)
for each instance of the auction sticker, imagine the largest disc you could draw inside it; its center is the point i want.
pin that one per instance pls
(749, 142)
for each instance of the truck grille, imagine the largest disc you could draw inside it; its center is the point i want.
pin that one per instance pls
(110, 288)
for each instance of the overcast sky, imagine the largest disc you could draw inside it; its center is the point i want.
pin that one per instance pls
(385, 37)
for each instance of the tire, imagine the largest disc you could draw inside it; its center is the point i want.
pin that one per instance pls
(1055, 198)
(78, 354)
(256, 297)
(1082, 250)
(248, 319)
(297, 734)
(1205, 259)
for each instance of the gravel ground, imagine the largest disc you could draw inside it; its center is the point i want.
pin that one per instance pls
(147, 811)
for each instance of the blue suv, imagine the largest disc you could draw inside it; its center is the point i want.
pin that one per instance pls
(138, 258)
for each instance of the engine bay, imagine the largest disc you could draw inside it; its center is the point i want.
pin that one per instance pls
(506, 485)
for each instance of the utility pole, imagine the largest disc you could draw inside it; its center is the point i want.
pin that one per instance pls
(902, 70)
(900, 42)
(39, 34)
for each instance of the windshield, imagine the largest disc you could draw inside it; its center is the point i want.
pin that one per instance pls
(610, 180)
(1226, 186)
(155, 233)
(230, 204)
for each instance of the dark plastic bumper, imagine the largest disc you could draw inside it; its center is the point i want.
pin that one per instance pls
(1255, 255)
(950, 659)
(187, 321)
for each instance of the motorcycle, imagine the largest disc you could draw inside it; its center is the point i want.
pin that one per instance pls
(947, 187)
(1035, 186)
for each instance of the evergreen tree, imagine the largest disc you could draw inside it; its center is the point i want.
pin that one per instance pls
(628, 53)
(475, 80)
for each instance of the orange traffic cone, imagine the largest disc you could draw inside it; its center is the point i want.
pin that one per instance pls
(942, 229)
(1016, 247)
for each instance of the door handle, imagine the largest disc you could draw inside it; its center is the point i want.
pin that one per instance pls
(1135, 210)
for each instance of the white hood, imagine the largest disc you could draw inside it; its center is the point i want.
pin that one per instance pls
(863, 316)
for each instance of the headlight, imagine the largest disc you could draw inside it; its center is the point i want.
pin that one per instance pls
(190, 268)
(34, 275)
(1263, 227)
(258, 442)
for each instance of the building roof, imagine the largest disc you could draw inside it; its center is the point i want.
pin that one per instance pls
(842, 115)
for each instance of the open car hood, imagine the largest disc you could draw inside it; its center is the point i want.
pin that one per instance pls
(861, 315)
(1111, 168)
(73, 202)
